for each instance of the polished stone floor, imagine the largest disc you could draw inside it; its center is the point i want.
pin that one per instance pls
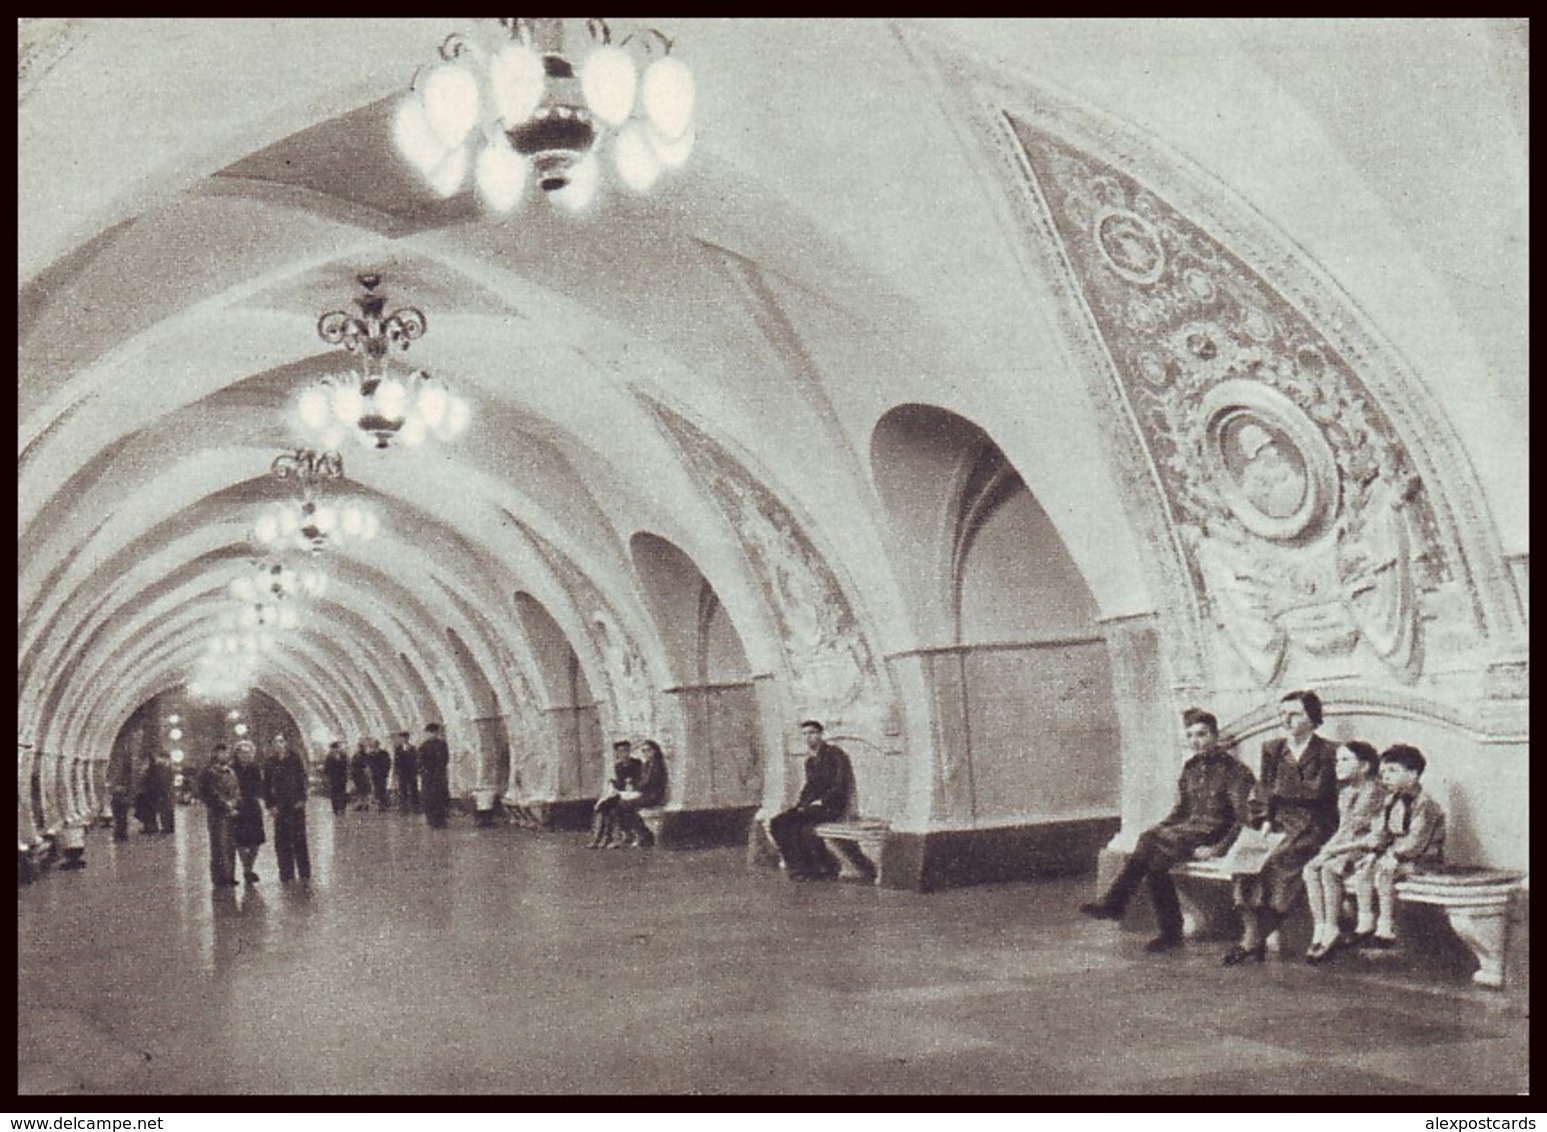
(504, 961)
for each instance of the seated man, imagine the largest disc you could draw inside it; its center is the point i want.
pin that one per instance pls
(825, 797)
(1211, 808)
(1410, 838)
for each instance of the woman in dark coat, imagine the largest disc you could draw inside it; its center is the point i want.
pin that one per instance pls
(1298, 795)
(247, 822)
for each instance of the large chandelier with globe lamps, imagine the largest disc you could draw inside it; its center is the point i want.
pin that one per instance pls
(540, 99)
(378, 402)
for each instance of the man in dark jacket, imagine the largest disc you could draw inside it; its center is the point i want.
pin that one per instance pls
(434, 775)
(405, 765)
(825, 797)
(380, 761)
(335, 771)
(1213, 798)
(287, 802)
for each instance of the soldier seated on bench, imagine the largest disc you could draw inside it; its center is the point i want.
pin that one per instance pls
(1211, 807)
(825, 797)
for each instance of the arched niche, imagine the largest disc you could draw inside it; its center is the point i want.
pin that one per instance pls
(485, 724)
(720, 764)
(577, 763)
(1015, 660)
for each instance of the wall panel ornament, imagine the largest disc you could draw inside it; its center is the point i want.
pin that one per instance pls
(1308, 532)
(629, 681)
(832, 668)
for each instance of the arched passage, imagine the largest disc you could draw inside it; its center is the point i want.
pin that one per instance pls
(573, 768)
(485, 725)
(1014, 660)
(720, 763)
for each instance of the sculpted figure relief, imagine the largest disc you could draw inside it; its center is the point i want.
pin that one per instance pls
(1304, 524)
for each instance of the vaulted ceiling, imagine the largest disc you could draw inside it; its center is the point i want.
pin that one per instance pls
(194, 193)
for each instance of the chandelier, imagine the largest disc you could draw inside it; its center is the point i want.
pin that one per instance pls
(378, 405)
(304, 524)
(274, 581)
(541, 96)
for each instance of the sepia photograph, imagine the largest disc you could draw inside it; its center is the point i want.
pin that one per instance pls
(716, 557)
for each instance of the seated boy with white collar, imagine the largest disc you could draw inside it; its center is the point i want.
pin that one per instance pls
(1409, 839)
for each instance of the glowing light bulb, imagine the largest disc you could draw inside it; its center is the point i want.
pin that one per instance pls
(500, 173)
(608, 80)
(416, 141)
(391, 399)
(673, 153)
(314, 408)
(584, 179)
(667, 94)
(636, 160)
(516, 80)
(450, 103)
(347, 403)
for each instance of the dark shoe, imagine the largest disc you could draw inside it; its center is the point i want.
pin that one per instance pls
(1101, 910)
(1320, 953)
(1380, 942)
(250, 878)
(1238, 954)
(1163, 943)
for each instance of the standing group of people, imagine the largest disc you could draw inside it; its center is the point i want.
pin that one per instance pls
(1340, 817)
(153, 795)
(236, 788)
(419, 776)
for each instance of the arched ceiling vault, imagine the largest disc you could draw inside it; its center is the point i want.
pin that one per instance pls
(811, 269)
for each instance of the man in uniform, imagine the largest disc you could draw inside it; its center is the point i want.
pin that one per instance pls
(825, 797)
(405, 765)
(434, 771)
(1213, 798)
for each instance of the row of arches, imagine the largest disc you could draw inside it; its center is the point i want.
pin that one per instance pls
(530, 702)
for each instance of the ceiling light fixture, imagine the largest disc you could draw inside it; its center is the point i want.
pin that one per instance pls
(376, 404)
(305, 524)
(541, 96)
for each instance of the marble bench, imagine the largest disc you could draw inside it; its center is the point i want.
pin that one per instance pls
(856, 844)
(1476, 902)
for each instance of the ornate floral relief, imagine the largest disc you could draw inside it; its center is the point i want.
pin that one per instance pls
(833, 672)
(1306, 527)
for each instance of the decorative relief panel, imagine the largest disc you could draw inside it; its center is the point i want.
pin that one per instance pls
(833, 671)
(628, 675)
(1306, 528)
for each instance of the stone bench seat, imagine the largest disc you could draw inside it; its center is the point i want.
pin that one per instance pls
(1476, 902)
(856, 844)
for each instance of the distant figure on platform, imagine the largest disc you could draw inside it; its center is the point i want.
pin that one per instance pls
(119, 804)
(626, 770)
(1409, 839)
(335, 772)
(145, 806)
(252, 793)
(162, 791)
(219, 790)
(1213, 793)
(1298, 796)
(287, 802)
(1361, 804)
(405, 766)
(435, 776)
(380, 761)
(648, 792)
(360, 775)
(826, 795)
